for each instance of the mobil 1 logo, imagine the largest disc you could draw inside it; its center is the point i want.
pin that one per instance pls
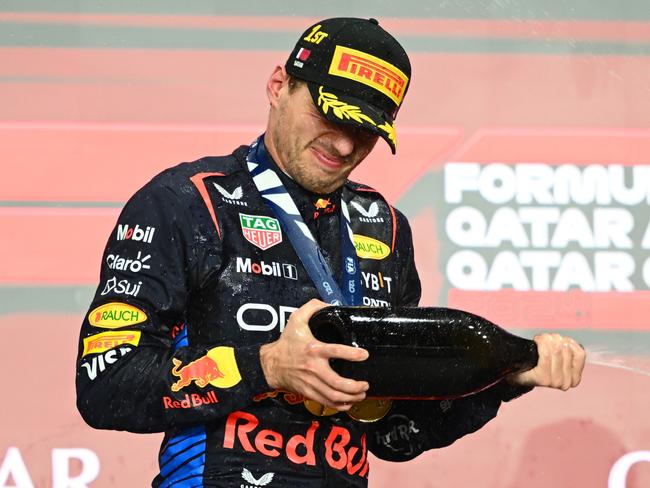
(268, 268)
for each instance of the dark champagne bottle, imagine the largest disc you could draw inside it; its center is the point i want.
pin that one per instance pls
(423, 353)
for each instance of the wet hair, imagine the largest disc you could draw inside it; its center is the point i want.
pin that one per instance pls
(294, 83)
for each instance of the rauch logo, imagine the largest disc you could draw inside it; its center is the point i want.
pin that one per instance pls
(115, 315)
(370, 248)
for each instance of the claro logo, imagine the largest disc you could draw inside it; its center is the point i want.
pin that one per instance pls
(117, 262)
(262, 317)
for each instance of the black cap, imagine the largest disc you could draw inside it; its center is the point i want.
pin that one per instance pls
(357, 73)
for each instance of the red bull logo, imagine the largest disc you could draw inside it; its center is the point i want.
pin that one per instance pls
(290, 397)
(322, 203)
(202, 372)
(245, 431)
(190, 401)
(217, 368)
(323, 206)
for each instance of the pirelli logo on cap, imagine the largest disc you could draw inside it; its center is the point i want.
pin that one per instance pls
(369, 70)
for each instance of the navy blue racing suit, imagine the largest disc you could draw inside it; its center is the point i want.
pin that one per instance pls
(197, 275)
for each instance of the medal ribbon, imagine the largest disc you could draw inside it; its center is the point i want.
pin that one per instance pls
(270, 186)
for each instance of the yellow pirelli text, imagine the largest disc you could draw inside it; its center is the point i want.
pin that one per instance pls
(369, 70)
(98, 343)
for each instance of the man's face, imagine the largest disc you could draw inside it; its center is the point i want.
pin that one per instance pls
(318, 154)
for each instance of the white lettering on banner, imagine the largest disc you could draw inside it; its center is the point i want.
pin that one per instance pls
(13, 468)
(645, 242)
(97, 364)
(467, 226)
(61, 464)
(646, 272)
(542, 270)
(126, 232)
(273, 317)
(528, 183)
(575, 238)
(117, 262)
(618, 473)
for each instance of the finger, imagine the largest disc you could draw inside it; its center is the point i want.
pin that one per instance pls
(541, 374)
(320, 370)
(331, 397)
(344, 385)
(341, 351)
(310, 308)
(567, 365)
(579, 359)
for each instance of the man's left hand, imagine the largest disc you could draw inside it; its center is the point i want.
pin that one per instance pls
(560, 365)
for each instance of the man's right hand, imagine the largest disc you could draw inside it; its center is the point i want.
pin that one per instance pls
(299, 363)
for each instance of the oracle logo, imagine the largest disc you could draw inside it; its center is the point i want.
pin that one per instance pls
(262, 317)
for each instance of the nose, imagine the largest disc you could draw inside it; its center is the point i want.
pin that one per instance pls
(343, 141)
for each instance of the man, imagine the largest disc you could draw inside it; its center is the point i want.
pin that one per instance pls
(191, 330)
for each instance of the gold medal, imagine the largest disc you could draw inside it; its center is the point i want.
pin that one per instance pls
(370, 409)
(317, 409)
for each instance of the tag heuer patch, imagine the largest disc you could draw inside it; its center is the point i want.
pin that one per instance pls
(261, 231)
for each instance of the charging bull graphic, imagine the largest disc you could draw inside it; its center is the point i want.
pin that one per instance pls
(217, 368)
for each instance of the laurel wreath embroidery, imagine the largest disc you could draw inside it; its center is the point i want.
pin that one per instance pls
(390, 130)
(341, 109)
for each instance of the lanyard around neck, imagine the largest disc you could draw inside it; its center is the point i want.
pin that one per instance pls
(270, 186)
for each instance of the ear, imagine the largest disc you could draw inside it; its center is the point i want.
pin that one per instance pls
(277, 81)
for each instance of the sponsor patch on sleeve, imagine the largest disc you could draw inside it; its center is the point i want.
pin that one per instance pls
(115, 315)
(217, 368)
(98, 343)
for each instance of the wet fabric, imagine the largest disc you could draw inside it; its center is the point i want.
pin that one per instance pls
(196, 276)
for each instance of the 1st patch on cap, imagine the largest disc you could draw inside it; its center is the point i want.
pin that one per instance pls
(316, 35)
